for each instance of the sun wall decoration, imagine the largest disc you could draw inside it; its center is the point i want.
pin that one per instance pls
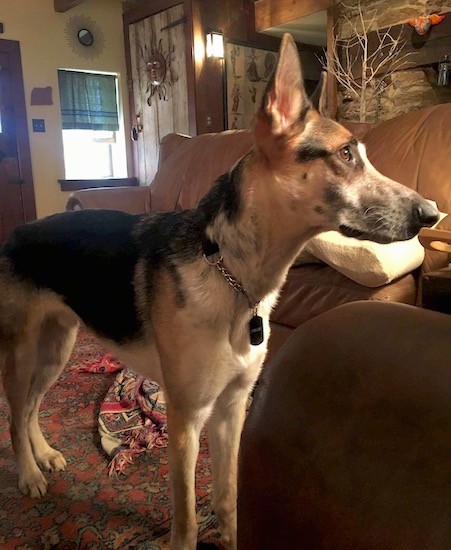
(84, 36)
(157, 67)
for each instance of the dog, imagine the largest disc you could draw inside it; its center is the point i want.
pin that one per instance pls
(185, 297)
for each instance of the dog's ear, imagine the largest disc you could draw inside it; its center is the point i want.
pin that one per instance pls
(285, 99)
(319, 96)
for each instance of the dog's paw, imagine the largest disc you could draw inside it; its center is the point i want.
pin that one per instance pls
(51, 461)
(33, 483)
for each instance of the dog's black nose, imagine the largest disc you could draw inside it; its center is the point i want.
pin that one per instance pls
(427, 214)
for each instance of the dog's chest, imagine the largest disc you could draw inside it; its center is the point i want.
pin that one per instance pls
(222, 316)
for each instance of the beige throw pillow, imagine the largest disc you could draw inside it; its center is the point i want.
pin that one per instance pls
(365, 262)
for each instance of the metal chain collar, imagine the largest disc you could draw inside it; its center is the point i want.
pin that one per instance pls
(234, 283)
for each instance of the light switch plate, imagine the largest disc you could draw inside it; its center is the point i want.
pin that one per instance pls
(38, 124)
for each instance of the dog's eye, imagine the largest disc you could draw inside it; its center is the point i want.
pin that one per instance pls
(345, 153)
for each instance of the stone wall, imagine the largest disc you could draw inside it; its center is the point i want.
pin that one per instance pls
(408, 89)
(388, 12)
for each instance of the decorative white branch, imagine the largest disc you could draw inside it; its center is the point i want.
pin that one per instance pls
(387, 58)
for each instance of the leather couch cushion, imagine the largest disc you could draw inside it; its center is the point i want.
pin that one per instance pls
(191, 169)
(134, 200)
(312, 289)
(347, 443)
(417, 156)
(414, 149)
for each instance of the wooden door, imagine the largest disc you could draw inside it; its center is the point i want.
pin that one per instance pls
(159, 84)
(16, 183)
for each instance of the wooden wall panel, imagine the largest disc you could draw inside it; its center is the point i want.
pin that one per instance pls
(232, 19)
(235, 18)
(62, 6)
(205, 82)
(163, 115)
(270, 13)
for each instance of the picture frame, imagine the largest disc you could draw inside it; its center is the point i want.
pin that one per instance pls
(248, 67)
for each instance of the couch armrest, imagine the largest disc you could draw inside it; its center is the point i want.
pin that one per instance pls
(134, 200)
(168, 144)
(433, 259)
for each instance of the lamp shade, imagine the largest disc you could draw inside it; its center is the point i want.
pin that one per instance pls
(215, 44)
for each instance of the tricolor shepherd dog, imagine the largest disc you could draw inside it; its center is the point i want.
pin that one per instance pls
(185, 297)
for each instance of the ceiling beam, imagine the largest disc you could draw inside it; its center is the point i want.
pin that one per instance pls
(64, 5)
(270, 13)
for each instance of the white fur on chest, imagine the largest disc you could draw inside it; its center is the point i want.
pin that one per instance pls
(222, 314)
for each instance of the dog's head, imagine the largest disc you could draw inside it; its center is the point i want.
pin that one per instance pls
(321, 171)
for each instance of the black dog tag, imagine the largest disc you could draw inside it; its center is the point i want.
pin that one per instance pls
(256, 330)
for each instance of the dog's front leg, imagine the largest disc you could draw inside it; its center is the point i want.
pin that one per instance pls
(224, 431)
(184, 429)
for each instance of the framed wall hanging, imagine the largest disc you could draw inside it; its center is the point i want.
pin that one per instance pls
(247, 70)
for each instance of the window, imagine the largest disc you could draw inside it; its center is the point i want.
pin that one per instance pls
(94, 144)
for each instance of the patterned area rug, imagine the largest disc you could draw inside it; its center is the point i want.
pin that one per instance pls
(85, 508)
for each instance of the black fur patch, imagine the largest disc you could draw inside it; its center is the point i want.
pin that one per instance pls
(333, 197)
(166, 240)
(87, 257)
(310, 151)
(224, 196)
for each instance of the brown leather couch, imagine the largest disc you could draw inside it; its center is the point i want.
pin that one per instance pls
(414, 148)
(347, 443)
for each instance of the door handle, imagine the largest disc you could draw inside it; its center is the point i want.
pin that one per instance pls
(136, 129)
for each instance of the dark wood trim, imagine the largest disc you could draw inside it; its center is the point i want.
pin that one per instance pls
(273, 46)
(270, 13)
(285, 11)
(131, 101)
(76, 185)
(61, 6)
(204, 74)
(190, 66)
(252, 34)
(142, 11)
(12, 47)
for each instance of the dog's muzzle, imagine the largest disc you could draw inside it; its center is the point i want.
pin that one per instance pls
(425, 215)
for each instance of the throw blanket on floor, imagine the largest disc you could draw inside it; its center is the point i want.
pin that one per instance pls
(132, 417)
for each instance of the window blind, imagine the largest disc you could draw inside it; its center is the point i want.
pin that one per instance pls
(88, 101)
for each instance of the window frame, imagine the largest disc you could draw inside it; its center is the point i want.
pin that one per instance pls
(67, 184)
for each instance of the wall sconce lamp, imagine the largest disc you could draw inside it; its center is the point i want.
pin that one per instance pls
(215, 44)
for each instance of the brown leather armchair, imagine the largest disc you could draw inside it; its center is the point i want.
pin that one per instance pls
(347, 443)
(413, 148)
